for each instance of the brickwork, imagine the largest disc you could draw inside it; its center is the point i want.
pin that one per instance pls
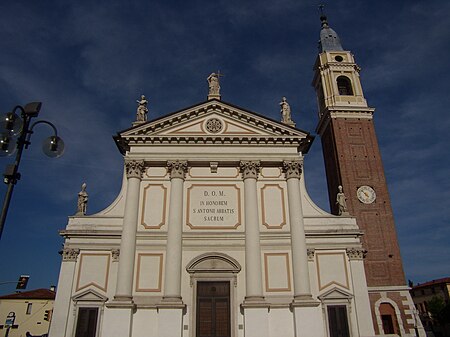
(352, 159)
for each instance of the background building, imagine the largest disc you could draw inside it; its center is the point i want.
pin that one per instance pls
(32, 309)
(432, 300)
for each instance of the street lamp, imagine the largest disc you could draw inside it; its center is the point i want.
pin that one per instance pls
(15, 134)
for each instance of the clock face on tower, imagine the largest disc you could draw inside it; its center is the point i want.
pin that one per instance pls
(366, 194)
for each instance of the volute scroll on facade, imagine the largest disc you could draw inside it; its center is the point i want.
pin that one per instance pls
(134, 168)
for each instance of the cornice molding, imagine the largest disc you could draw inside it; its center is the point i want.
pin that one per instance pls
(330, 113)
(152, 132)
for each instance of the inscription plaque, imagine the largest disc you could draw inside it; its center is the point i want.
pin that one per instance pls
(213, 206)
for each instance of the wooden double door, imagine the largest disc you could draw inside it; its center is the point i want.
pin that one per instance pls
(213, 309)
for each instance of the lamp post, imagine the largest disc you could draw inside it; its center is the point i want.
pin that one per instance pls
(12, 126)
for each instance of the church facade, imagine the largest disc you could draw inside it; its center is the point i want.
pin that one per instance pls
(214, 235)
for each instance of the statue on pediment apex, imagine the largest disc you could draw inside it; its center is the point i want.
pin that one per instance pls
(214, 85)
(142, 110)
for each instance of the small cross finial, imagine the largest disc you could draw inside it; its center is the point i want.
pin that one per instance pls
(321, 7)
(323, 17)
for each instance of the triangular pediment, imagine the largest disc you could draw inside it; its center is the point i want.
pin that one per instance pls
(335, 294)
(89, 296)
(214, 121)
(214, 124)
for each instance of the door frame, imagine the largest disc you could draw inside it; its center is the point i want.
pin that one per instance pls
(233, 293)
(229, 303)
(214, 267)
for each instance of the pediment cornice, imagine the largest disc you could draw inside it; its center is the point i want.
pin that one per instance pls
(187, 126)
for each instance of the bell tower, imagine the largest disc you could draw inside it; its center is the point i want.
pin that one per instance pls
(352, 159)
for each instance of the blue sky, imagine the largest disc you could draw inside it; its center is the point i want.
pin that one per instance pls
(88, 62)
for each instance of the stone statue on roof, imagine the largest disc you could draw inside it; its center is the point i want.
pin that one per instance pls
(341, 201)
(82, 201)
(142, 110)
(214, 86)
(286, 117)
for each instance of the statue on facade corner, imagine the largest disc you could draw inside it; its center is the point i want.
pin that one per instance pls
(142, 110)
(286, 117)
(82, 200)
(341, 201)
(213, 82)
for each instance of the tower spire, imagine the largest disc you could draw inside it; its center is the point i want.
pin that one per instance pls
(329, 40)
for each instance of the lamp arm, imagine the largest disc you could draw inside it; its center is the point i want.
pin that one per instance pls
(22, 110)
(30, 131)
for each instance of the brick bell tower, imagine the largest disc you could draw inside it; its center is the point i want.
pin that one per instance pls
(352, 159)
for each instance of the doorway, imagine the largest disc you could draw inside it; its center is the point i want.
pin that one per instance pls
(213, 309)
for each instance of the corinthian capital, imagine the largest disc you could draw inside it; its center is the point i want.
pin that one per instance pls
(356, 253)
(177, 168)
(115, 253)
(70, 254)
(250, 169)
(134, 168)
(292, 169)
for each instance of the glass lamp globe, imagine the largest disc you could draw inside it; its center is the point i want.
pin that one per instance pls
(7, 145)
(53, 147)
(10, 123)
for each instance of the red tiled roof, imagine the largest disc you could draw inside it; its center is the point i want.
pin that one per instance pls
(434, 282)
(37, 294)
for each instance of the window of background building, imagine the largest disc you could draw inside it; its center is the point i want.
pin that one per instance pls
(29, 306)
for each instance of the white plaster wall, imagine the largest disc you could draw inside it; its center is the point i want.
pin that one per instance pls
(145, 323)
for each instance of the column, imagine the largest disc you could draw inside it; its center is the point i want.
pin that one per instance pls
(306, 311)
(118, 315)
(253, 275)
(256, 315)
(134, 170)
(172, 273)
(302, 289)
(170, 310)
(61, 308)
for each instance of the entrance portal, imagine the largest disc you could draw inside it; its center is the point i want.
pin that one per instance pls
(213, 309)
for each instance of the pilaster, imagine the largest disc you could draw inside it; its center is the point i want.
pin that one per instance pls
(360, 292)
